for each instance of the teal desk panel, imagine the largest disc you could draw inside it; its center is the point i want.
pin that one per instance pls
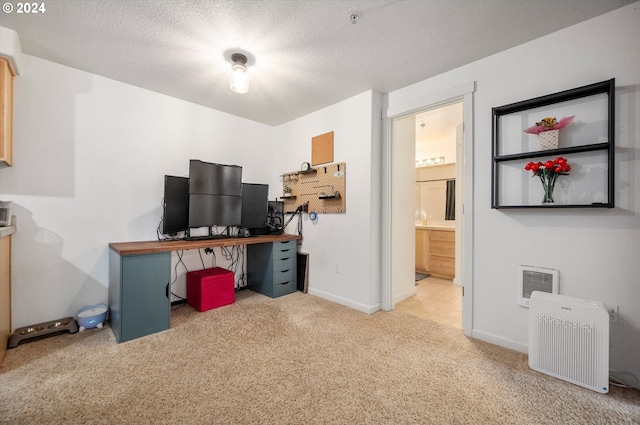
(139, 300)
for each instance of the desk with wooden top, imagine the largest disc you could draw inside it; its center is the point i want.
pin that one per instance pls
(140, 277)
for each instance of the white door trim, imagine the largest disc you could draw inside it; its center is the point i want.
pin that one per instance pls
(462, 92)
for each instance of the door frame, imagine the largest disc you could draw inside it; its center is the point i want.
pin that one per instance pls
(462, 93)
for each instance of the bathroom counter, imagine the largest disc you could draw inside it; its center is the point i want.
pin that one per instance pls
(445, 227)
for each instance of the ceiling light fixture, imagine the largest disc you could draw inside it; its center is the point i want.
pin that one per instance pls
(239, 81)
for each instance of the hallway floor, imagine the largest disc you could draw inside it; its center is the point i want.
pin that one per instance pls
(436, 299)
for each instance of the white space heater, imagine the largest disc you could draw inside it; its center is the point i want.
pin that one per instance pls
(569, 339)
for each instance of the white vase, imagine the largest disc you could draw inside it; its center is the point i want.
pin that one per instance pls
(549, 139)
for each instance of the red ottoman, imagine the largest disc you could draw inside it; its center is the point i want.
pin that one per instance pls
(210, 288)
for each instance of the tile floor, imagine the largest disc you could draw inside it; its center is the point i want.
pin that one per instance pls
(436, 299)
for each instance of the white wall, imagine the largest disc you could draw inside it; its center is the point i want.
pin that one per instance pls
(343, 242)
(595, 250)
(444, 146)
(436, 132)
(431, 193)
(90, 157)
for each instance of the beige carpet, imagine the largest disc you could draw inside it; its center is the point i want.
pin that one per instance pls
(297, 359)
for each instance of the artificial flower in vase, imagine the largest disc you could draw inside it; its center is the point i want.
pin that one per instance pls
(548, 130)
(549, 172)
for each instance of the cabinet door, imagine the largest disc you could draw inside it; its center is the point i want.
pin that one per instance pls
(5, 293)
(422, 250)
(6, 113)
(144, 299)
(443, 267)
(260, 268)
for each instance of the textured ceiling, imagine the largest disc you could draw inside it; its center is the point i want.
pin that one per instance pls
(303, 55)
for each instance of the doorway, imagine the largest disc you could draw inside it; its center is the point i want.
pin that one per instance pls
(399, 204)
(438, 143)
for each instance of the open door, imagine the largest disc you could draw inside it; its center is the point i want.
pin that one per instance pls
(403, 203)
(398, 197)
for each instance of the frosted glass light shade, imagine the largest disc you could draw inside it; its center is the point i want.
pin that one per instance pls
(239, 81)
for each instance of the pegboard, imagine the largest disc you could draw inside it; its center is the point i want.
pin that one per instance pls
(322, 149)
(324, 187)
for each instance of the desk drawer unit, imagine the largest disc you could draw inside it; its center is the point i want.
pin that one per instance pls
(271, 268)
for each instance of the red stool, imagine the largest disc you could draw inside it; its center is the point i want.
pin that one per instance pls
(210, 288)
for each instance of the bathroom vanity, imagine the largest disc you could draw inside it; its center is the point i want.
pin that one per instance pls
(435, 250)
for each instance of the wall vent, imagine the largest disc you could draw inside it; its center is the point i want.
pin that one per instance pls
(535, 279)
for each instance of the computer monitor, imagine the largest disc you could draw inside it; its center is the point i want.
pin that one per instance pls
(214, 179)
(255, 198)
(215, 194)
(175, 205)
(214, 210)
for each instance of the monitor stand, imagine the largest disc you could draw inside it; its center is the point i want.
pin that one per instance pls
(210, 236)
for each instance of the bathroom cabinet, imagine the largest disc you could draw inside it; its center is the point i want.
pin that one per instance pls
(422, 250)
(442, 250)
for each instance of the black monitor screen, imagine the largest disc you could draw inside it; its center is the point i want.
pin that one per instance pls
(175, 205)
(214, 179)
(255, 198)
(214, 210)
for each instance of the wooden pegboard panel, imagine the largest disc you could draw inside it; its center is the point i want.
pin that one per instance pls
(322, 149)
(324, 188)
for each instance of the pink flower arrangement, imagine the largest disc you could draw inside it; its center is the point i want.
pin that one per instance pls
(549, 124)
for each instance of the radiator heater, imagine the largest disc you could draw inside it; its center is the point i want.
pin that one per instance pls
(569, 339)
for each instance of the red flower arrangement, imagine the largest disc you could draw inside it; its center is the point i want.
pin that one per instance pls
(548, 173)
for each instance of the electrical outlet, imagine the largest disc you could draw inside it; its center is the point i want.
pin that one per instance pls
(613, 314)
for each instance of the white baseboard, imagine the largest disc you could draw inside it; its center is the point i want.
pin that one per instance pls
(403, 296)
(369, 309)
(500, 341)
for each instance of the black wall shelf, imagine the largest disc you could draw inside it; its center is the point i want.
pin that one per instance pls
(588, 146)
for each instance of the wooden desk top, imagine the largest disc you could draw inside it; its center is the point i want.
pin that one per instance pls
(150, 247)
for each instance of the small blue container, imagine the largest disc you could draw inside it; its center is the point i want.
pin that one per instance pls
(92, 317)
